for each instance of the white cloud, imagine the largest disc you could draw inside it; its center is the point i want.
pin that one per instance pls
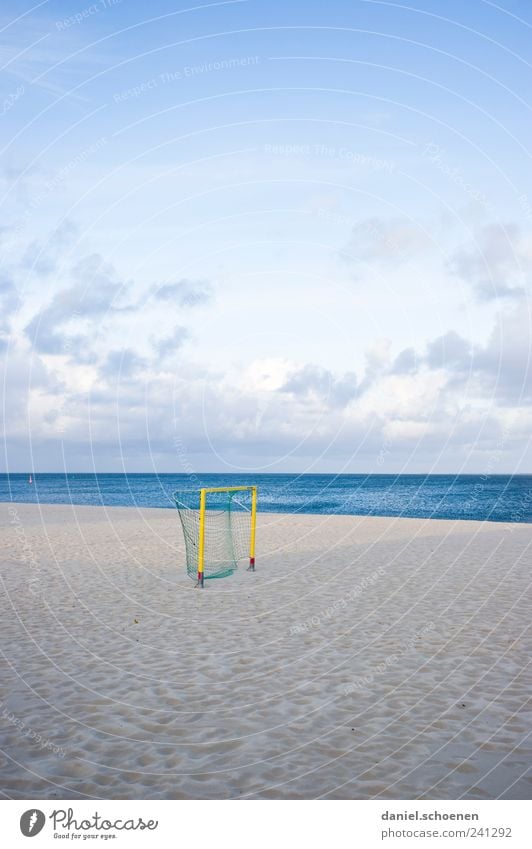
(388, 240)
(496, 263)
(184, 293)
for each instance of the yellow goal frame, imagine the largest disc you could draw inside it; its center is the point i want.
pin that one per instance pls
(203, 506)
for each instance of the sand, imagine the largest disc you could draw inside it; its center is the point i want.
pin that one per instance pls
(366, 658)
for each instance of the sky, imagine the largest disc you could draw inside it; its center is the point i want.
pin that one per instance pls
(266, 236)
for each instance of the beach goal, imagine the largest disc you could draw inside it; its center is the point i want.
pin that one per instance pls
(219, 529)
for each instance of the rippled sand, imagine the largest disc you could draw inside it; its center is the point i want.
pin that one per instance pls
(365, 658)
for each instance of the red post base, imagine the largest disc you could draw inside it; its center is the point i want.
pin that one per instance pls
(201, 577)
(251, 564)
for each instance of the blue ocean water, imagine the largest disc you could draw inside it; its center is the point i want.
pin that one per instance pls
(499, 498)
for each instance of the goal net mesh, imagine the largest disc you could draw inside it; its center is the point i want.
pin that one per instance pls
(227, 530)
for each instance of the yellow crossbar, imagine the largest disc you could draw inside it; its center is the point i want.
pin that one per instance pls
(227, 488)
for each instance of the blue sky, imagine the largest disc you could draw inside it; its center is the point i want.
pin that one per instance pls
(263, 236)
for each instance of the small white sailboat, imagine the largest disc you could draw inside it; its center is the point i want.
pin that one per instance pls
(30, 479)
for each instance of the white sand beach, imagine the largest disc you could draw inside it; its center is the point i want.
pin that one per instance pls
(365, 658)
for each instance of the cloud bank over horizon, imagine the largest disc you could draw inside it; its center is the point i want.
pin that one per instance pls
(313, 264)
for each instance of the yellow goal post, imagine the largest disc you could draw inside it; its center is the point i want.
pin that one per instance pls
(219, 526)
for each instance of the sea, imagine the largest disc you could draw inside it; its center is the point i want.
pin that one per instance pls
(496, 498)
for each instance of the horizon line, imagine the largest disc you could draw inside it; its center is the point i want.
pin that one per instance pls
(274, 474)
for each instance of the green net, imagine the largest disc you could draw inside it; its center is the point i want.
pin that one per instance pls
(227, 530)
